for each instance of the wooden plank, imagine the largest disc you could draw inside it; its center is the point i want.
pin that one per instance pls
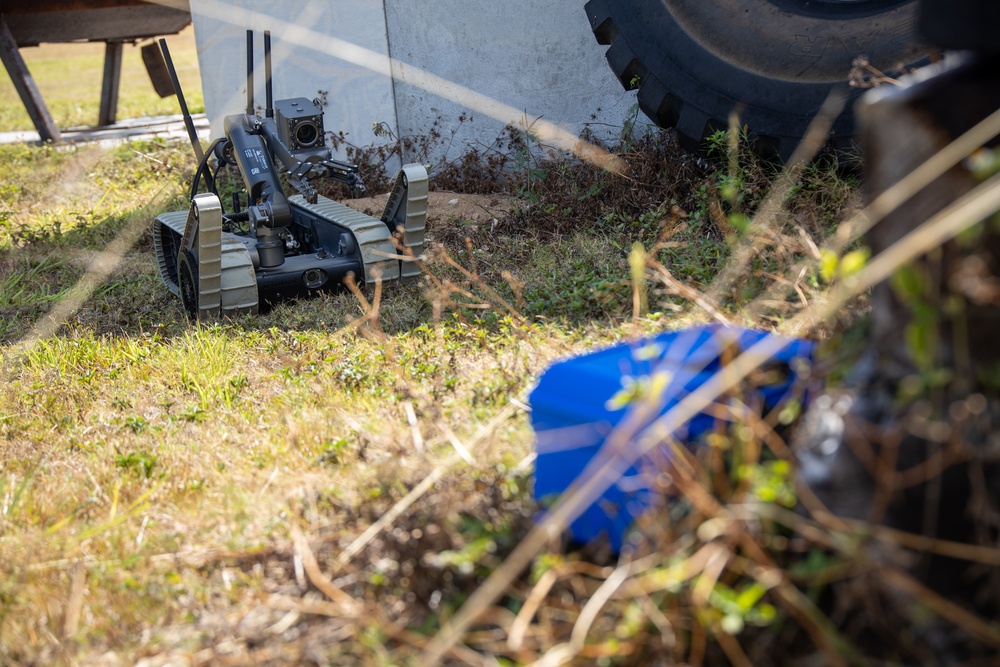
(45, 6)
(25, 85)
(152, 58)
(109, 86)
(102, 24)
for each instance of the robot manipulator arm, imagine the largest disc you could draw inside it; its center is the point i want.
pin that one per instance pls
(268, 210)
(251, 153)
(304, 164)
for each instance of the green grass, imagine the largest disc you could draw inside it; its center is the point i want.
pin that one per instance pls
(154, 474)
(131, 435)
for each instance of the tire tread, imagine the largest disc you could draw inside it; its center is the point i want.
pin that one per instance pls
(672, 97)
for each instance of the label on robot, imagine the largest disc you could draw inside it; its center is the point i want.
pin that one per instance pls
(258, 156)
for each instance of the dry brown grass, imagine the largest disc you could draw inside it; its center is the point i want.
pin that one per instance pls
(329, 483)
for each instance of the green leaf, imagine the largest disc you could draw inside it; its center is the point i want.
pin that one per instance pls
(637, 264)
(908, 282)
(790, 412)
(739, 222)
(750, 596)
(920, 343)
(853, 262)
(828, 262)
(621, 398)
(983, 163)
(765, 614)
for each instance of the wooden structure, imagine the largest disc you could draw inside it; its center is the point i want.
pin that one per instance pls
(114, 22)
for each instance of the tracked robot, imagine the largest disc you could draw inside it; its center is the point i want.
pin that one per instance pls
(270, 247)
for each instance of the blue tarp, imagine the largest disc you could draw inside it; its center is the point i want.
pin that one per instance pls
(579, 403)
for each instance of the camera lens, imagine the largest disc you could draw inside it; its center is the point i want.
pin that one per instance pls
(314, 278)
(306, 135)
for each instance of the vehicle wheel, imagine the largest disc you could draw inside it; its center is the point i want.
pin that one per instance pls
(187, 280)
(774, 61)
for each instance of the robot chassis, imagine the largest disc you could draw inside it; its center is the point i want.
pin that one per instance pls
(278, 247)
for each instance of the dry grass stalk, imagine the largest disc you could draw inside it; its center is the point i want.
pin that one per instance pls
(974, 207)
(74, 603)
(893, 197)
(965, 212)
(316, 576)
(546, 629)
(975, 625)
(768, 213)
(684, 291)
(419, 490)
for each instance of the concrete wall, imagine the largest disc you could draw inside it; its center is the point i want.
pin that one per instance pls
(411, 64)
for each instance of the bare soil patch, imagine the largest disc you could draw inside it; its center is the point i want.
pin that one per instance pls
(448, 207)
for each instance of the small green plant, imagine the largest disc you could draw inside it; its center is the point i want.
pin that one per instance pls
(913, 287)
(832, 267)
(731, 610)
(333, 452)
(191, 450)
(136, 424)
(141, 463)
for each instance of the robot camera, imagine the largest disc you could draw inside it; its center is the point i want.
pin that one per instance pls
(300, 124)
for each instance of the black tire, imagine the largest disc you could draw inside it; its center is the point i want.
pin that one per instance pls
(775, 61)
(187, 281)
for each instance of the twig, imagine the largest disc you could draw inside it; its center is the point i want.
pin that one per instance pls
(371, 310)
(658, 619)
(714, 568)
(302, 605)
(594, 605)
(969, 552)
(688, 292)
(686, 570)
(74, 605)
(822, 632)
(531, 604)
(460, 448)
(983, 630)
(731, 648)
(411, 418)
(489, 290)
(316, 576)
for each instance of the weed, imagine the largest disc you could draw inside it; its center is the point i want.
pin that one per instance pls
(171, 461)
(136, 424)
(142, 463)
